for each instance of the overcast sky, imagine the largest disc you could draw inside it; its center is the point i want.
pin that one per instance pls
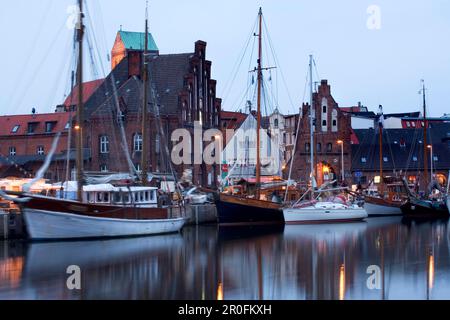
(374, 66)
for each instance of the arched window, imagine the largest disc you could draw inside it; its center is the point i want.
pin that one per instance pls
(137, 142)
(329, 147)
(104, 144)
(275, 123)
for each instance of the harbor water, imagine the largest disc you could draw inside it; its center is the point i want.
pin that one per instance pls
(380, 258)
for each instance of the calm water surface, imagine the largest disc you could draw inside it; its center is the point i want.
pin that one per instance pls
(211, 262)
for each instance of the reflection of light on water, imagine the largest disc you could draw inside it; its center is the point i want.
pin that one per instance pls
(11, 271)
(220, 291)
(341, 282)
(430, 271)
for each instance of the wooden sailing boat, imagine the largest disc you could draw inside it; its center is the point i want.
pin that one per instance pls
(243, 209)
(54, 218)
(389, 203)
(315, 211)
(417, 207)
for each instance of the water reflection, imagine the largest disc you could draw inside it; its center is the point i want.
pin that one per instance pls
(210, 262)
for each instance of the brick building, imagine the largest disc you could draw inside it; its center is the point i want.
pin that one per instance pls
(330, 125)
(180, 92)
(25, 140)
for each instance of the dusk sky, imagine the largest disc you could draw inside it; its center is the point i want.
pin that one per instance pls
(374, 66)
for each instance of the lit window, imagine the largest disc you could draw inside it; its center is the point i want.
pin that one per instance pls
(364, 159)
(408, 124)
(413, 124)
(103, 168)
(138, 167)
(104, 144)
(385, 159)
(12, 151)
(137, 142)
(414, 158)
(40, 150)
(435, 158)
(67, 126)
(15, 128)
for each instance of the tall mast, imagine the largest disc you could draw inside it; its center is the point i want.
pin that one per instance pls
(311, 123)
(425, 152)
(79, 142)
(144, 161)
(258, 117)
(380, 143)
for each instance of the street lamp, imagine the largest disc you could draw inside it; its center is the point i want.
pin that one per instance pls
(431, 159)
(341, 142)
(217, 137)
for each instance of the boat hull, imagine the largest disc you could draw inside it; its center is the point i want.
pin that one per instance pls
(416, 208)
(233, 210)
(51, 225)
(382, 209)
(319, 215)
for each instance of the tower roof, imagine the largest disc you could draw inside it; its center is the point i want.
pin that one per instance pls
(136, 40)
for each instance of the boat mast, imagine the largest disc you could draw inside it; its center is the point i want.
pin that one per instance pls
(380, 143)
(311, 123)
(145, 140)
(425, 152)
(258, 112)
(79, 126)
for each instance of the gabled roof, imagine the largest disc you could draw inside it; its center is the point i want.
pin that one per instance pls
(7, 123)
(166, 75)
(399, 147)
(234, 119)
(88, 89)
(136, 40)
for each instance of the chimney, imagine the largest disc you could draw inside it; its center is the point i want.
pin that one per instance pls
(134, 63)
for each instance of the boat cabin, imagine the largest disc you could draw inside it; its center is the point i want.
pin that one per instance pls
(108, 194)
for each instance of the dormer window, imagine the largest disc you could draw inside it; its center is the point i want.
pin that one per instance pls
(49, 126)
(385, 159)
(15, 128)
(363, 159)
(414, 158)
(32, 127)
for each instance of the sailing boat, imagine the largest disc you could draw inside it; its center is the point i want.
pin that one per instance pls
(390, 203)
(121, 211)
(315, 211)
(233, 209)
(417, 207)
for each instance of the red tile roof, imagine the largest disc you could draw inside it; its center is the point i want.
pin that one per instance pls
(234, 119)
(88, 89)
(7, 123)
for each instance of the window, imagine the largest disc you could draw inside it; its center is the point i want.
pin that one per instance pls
(67, 126)
(319, 147)
(32, 127)
(363, 159)
(385, 159)
(104, 144)
(324, 109)
(40, 150)
(324, 123)
(413, 124)
(334, 123)
(307, 147)
(329, 147)
(275, 123)
(12, 151)
(137, 142)
(15, 128)
(435, 158)
(414, 158)
(103, 168)
(49, 126)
